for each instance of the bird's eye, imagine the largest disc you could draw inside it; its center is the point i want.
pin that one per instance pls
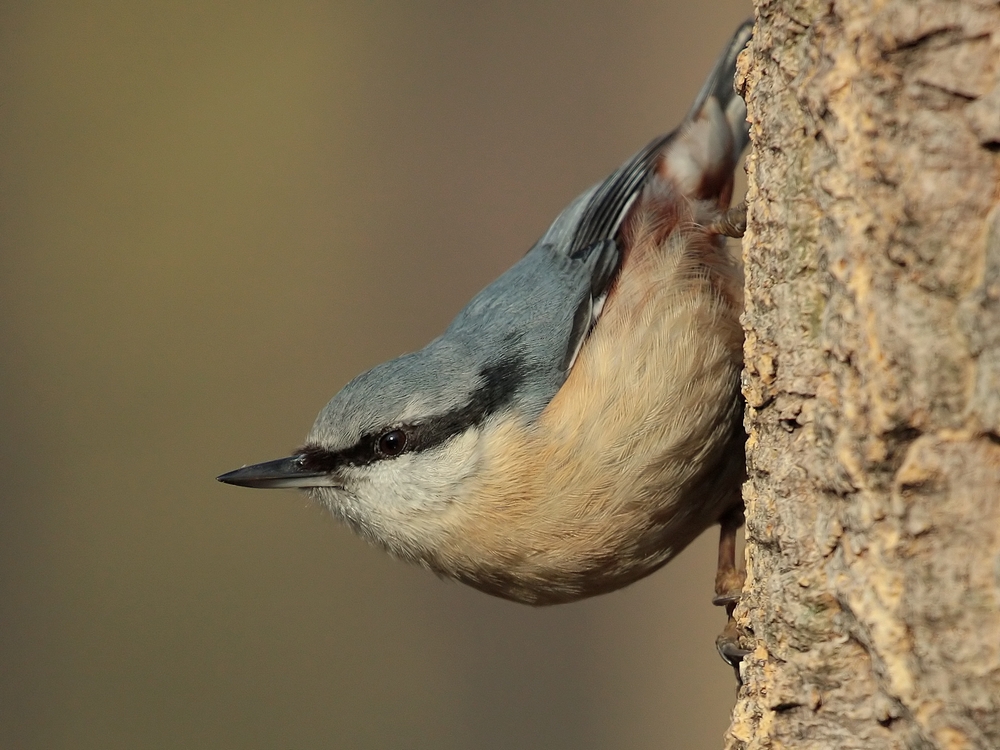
(391, 443)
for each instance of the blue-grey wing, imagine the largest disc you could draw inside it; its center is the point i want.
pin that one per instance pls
(540, 312)
(533, 317)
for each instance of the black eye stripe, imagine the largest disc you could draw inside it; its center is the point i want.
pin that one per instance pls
(362, 453)
(499, 384)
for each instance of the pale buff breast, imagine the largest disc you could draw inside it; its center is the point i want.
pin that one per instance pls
(637, 453)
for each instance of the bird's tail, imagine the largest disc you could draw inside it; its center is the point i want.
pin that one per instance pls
(696, 161)
(719, 85)
(703, 153)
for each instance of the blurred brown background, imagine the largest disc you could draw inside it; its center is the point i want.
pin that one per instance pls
(212, 215)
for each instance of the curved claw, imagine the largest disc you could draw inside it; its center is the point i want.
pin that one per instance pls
(728, 646)
(727, 599)
(730, 652)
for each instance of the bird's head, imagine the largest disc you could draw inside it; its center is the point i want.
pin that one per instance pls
(398, 445)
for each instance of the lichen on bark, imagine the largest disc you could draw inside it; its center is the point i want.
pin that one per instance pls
(872, 255)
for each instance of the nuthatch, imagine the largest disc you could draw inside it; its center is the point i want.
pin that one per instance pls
(580, 421)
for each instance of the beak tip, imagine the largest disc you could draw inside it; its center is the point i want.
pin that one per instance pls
(236, 477)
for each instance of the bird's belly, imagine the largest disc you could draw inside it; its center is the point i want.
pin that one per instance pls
(638, 452)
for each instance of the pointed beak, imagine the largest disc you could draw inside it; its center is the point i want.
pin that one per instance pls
(279, 474)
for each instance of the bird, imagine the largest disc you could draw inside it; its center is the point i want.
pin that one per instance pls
(579, 423)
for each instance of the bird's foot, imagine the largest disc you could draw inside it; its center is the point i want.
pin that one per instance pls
(733, 223)
(728, 589)
(728, 644)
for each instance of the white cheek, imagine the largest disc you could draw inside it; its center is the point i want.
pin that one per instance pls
(423, 482)
(398, 503)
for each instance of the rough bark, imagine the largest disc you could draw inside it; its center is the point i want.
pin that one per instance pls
(872, 604)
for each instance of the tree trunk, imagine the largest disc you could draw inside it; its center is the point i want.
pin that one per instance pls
(872, 604)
